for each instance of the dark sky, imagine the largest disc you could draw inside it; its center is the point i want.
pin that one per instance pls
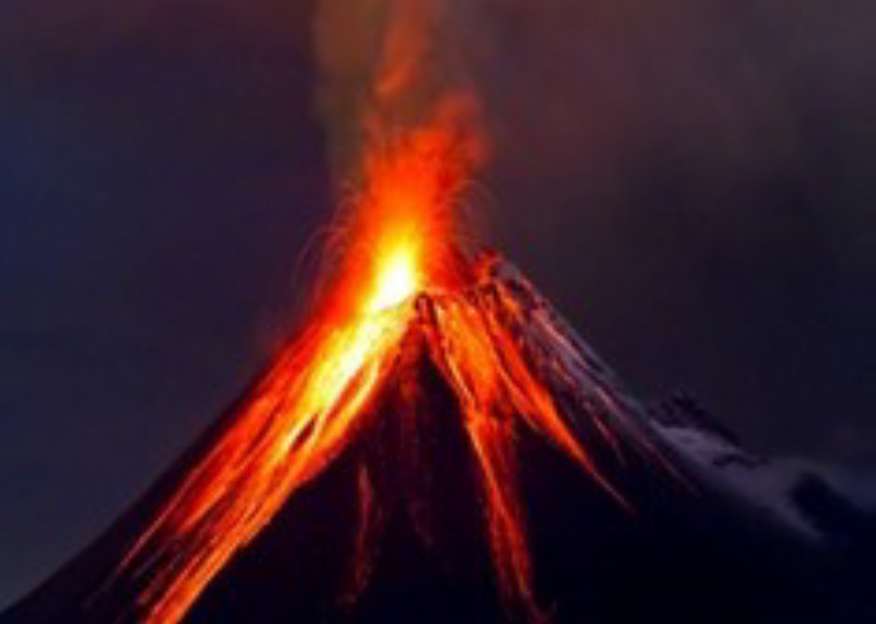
(690, 183)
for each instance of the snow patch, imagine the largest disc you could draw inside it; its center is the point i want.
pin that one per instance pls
(767, 485)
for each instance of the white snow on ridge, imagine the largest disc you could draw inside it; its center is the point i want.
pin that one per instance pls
(766, 485)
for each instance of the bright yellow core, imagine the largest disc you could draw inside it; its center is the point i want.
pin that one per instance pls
(397, 276)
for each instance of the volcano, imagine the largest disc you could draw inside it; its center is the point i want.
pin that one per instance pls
(448, 503)
(436, 444)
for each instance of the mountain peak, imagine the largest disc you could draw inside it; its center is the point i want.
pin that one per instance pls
(495, 470)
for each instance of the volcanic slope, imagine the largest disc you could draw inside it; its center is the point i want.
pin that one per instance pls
(406, 522)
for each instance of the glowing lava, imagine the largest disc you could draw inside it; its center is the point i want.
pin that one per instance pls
(397, 280)
(398, 275)
(400, 240)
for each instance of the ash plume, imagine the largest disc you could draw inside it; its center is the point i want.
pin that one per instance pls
(387, 63)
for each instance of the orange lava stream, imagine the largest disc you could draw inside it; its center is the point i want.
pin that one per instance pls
(300, 418)
(304, 411)
(495, 386)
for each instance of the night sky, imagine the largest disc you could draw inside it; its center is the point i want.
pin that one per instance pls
(689, 183)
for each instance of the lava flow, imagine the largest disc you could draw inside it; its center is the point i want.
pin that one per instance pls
(305, 410)
(401, 268)
(400, 272)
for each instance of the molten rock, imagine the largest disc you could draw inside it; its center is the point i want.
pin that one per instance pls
(478, 463)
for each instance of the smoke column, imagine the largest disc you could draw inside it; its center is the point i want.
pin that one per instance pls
(388, 66)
